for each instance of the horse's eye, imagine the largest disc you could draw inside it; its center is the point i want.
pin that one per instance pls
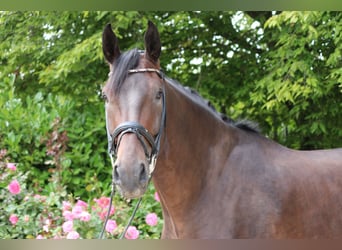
(104, 97)
(159, 94)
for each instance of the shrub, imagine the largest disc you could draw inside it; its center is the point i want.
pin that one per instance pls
(48, 134)
(54, 150)
(59, 215)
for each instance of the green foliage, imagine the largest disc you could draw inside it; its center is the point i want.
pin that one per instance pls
(31, 209)
(43, 216)
(300, 94)
(33, 131)
(280, 69)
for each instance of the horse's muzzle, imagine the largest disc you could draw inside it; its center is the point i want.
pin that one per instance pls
(132, 181)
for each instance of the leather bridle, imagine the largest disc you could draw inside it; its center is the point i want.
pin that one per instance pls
(140, 131)
(143, 135)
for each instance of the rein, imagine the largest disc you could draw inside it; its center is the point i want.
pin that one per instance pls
(142, 133)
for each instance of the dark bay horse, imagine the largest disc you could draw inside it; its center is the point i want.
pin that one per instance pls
(216, 179)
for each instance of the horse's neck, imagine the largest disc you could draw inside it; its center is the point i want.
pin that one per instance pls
(191, 136)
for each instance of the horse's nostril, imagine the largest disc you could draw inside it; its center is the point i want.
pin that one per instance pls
(142, 175)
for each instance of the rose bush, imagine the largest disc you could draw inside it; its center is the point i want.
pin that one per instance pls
(53, 171)
(58, 215)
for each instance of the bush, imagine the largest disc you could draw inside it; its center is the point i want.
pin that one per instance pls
(53, 133)
(28, 215)
(59, 148)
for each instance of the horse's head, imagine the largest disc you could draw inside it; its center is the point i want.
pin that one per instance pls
(135, 110)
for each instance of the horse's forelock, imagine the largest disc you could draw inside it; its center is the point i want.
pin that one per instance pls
(127, 60)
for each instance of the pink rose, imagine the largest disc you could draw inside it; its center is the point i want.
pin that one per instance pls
(68, 226)
(73, 235)
(111, 226)
(68, 215)
(11, 166)
(40, 237)
(104, 212)
(66, 205)
(132, 233)
(76, 211)
(151, 219)
(103, 202)
(81, 203)
(14, 187)
(13, 219)
(156, 196)
(85, 216)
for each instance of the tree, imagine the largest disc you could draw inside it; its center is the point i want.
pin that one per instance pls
(280, 69)
(300, 91)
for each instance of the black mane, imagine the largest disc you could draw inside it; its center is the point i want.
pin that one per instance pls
(245, 125)
(130, 60)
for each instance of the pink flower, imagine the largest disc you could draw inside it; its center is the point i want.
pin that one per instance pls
(68, 226)
(151, 219)
(11, 166)
(68, 215)
(14, 187)
(73, 235)
(81, 204)
(132, 233)
(13, 219)
(76, 211)
(40, 237)
(103, 205)
(156, 197)
(85, 216)
(104, 212)
(66, 205)
(111, 226)
(103, 202)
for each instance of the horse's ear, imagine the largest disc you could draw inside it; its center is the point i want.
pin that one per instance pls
(152, 42)
(110, 45)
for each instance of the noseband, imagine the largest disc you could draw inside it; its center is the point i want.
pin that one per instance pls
(140, 131)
